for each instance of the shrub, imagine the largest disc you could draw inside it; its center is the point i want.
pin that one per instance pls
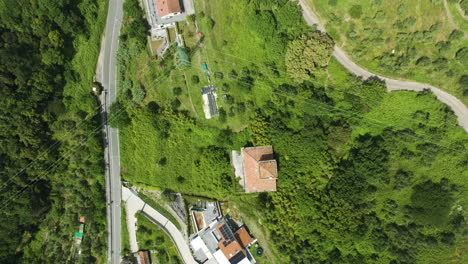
(464, 84)
(211, 23)
(456, 35)
(233, 74)
(464, 6)
(462, 56)
(440, 64)
(402, 10)
(355, 11)
(245, 83)
(423, 61)
(444, 47)
(218, 75)
(222, 115)
(138, 93)
(162, 162)
(263, 24)
(175, 104)
(436, 27)
(177, 91)
(191, 19)
(226, 87)
(118, 116)
(306, 54)
(228, 99)
(195, 79)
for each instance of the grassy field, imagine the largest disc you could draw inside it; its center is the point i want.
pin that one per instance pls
(181, 155)
(151, 237)
(316, 127)
(404, 39)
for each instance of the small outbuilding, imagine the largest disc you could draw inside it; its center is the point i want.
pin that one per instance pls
(209, 101)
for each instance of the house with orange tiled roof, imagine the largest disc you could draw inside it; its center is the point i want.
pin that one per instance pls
(257, 168)
(168, 8)
(218, 243)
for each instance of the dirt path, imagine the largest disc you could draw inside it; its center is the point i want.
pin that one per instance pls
(449, 15)
(190, 96)
(460, 10)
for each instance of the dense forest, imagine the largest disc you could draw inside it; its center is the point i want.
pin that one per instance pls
(365, 176)
(50, 138)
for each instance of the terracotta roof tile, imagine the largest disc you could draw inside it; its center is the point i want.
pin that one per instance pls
(243, 237)
(232, 248)
(260, 169)
(166, 7)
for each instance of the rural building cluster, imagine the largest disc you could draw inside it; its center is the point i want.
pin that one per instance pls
(217, 239)
(162, 16)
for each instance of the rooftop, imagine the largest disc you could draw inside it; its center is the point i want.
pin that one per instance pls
(218, 244)
(260, 169)
(144, 257)
(166, 7)
(243, 237)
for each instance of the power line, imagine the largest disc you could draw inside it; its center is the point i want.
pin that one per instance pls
(56, 163)
(372, 119)
(375, 121)
(265, 66)
(42, 154)
(36, 179)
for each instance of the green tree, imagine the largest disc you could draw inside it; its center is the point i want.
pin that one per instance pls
(258, 131)
(118, 116)
(462, 56)
(263, 24)
(307, 54)
(431, 203)
(195, 79)
(138, 93)
(177, 91)
(355, 11)
(456, 35)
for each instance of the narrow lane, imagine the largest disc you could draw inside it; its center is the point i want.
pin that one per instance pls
(133, 205)
(459, 109)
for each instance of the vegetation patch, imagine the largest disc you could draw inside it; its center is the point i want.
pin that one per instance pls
(396, 38)
(355, 162)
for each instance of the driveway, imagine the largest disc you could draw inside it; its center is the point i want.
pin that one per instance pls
(133, 205)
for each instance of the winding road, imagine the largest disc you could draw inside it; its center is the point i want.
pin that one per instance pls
(459, 109)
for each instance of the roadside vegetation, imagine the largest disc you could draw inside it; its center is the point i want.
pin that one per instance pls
(416, 40)
(150, 237)
(158, 207)
(364, 176)
(50, 138)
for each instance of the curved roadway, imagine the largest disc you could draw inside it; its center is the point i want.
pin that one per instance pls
(133, 205)
(459, 109)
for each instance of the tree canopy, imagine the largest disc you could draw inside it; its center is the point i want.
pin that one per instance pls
(306, 54)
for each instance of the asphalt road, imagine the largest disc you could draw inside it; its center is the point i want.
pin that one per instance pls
(133, 205)
(459, 109)
(107, 76)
